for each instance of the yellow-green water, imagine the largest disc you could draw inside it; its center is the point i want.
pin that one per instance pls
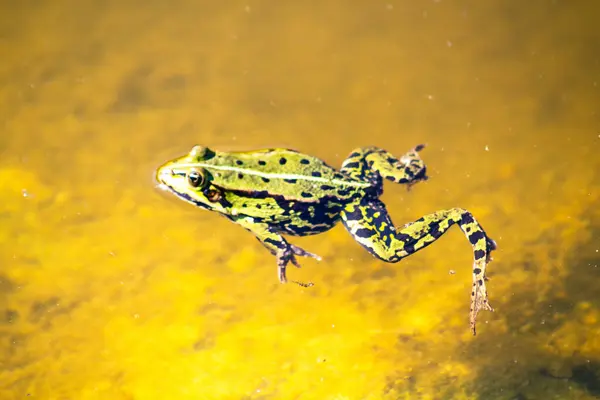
(111, 290)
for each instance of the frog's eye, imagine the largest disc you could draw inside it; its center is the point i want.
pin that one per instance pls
(196, 177)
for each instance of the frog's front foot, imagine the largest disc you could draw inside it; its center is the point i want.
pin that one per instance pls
(289, 255)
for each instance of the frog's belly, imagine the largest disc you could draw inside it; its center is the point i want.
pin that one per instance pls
(303, 219)
(304, 229)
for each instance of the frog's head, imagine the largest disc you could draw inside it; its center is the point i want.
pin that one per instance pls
(188, 178)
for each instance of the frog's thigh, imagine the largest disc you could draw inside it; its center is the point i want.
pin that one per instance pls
(370, 224)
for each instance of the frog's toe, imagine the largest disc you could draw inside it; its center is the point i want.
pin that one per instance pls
(479, 302)
(283, 258)
(281, 271)
(289, 255)
(303, 253)
(295, 262)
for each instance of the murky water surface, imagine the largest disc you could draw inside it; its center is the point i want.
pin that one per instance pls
(110, 289)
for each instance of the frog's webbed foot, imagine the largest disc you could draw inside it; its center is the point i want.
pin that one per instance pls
(479, 296)
(479, 301)
(373, 164)
(287, 255)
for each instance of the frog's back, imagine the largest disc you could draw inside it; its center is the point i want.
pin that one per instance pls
(281, 172)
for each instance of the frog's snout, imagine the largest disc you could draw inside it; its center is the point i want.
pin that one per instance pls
(163, 174)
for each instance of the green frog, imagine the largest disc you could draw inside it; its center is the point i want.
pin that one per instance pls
(276, 192)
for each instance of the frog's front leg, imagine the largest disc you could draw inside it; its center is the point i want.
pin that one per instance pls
(370, 224)
(276, 244)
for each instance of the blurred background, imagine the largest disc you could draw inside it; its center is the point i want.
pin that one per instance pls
(110, 289)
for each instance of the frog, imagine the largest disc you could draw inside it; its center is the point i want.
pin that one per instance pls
(277, 192)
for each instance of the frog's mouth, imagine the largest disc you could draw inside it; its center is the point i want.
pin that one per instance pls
(162, 176)
(183, 196)
(165, 188)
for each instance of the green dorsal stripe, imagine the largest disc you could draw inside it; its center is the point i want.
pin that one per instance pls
(271, 175)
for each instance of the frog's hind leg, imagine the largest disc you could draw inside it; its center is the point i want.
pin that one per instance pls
(373, 164)
(370, 224)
